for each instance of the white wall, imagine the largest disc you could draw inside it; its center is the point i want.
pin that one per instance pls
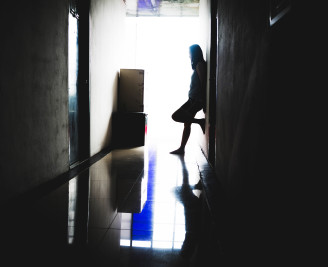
(205, 33)
(107, 21)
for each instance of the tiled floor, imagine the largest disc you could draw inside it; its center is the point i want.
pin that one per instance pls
(133, 207)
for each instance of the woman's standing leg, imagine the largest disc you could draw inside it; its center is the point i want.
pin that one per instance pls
(184, 139)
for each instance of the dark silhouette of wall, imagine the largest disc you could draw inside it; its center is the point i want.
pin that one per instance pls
(262, 73)
(34, 94)
(34, 88)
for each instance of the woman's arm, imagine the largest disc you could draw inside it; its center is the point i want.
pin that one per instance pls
(201, 71)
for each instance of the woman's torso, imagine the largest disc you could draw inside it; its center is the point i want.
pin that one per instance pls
(195, 91)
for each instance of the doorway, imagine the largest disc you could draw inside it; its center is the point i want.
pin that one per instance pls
(161, 48)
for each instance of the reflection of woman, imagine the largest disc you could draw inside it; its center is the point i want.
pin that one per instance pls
(197, 92)
(192, 209)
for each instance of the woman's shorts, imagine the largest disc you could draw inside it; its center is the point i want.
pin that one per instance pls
(191, 107)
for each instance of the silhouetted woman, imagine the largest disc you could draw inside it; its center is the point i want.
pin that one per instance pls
(197, 97)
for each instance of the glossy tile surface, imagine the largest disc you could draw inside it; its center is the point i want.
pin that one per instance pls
(133, 207)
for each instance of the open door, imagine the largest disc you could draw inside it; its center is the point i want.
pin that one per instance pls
(78, 81)
(73, 66)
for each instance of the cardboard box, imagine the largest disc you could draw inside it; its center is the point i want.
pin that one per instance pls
(131, 90)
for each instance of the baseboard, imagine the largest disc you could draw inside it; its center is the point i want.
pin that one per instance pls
(45, 188)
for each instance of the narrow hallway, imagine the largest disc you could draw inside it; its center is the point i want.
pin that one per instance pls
(133, 207)
(260, 198)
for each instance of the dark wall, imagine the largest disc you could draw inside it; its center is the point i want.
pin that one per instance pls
(258, 133)
(268, 131)
(242, 70)
(291, 143)
(34, 94)
(34, 135)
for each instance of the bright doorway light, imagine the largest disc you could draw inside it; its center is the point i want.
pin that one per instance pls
(160, 46)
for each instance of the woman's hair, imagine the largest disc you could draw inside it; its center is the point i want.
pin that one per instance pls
(196, 55)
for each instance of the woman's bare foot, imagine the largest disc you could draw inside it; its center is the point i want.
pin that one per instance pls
(179, 151)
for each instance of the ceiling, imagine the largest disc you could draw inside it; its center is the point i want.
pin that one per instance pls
(162, 8)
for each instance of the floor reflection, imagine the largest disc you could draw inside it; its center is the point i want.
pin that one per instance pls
(152, 221)
(190, 199)
(160, 224)
(78, 209)
(134, 207)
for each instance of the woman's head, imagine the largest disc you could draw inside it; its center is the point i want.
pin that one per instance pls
(196, 55)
